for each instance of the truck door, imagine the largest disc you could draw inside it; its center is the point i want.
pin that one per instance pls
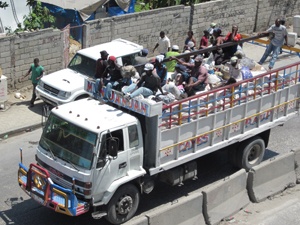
(110, 169)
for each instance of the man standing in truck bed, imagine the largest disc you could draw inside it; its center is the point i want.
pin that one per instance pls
(279, 38)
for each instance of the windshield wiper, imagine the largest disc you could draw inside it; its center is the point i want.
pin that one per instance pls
(49, 150)
(72, 164)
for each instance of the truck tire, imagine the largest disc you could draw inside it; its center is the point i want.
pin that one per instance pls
(123, 204)
(250, 153)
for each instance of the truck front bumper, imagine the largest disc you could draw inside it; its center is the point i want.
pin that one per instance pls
(36, 182)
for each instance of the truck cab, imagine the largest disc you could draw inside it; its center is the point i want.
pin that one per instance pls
(87, 155)
(67, 85)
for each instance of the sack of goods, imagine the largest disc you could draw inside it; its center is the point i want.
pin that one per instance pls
(246, 73)
(128, 71)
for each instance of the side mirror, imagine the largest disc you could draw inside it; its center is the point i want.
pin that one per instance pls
(113, 147)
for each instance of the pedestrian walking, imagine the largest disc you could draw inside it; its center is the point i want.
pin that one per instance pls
(163, 44)
(278, 34)
(36, 71)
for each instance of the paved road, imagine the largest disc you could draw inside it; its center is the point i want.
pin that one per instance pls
(17, 208)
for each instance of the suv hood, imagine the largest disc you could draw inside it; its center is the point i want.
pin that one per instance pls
(65, 80)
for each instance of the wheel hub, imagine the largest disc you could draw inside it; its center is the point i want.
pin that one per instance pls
(254, 153)
(124, 205)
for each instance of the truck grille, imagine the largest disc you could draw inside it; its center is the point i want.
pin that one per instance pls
(50, 89)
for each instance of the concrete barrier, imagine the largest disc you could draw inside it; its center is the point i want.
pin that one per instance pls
(297, 164)
(138, 220)
(188, 210)
(225, 198)
(271, 177)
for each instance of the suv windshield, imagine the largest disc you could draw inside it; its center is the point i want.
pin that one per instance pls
(68, 142)
(83, 65)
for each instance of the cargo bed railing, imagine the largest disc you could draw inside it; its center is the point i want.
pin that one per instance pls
(219, 99)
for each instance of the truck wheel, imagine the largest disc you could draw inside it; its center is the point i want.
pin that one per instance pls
(123, 204)
(250, 153)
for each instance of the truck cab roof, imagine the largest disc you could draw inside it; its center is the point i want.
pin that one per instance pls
(118, 47)
(92, 115)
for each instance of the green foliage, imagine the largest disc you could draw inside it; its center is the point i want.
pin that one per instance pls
(38, 17)
(154, 4)
(3, 4)
(30, 2)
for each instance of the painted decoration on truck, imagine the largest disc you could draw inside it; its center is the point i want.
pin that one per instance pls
(291, 105)
(141, 106)
(219, 133)
(235, 127)
(166, 152)
(185, 146)
(251, 121)
(189, 145)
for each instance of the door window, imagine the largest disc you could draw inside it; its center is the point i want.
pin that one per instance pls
(133, 136)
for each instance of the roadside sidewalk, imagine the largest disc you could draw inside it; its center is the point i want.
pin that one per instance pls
(18, 117)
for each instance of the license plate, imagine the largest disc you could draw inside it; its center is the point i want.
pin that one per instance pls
(37, 198)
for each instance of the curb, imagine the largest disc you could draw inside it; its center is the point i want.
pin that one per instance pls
(20, 130)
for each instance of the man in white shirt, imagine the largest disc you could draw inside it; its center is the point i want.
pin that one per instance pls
(163, 44)
(279, 38)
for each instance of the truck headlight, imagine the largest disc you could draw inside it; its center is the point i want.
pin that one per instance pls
(64, 94)
(39, 182)
(41, 84)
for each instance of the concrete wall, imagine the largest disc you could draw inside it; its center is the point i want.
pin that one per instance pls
(269, 10)
(142, 28)
(17, 52)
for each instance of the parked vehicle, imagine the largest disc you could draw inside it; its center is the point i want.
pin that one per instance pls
(66, 85)
(104, 156)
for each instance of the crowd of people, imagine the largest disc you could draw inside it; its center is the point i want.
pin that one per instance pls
(178, 78)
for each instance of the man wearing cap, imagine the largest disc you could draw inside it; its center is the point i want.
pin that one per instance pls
(147, 85)
(163, 44)
(101, 65)
(141, 59)
(211, 28)
(235, 69)
(171, 63)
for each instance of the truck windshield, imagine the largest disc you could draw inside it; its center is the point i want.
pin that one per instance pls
(68, 142)
(83, 65)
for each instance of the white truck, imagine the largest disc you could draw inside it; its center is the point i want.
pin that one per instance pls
(66, 85)
(104, 156)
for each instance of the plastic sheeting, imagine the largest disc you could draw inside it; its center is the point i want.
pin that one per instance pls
(116, 11)
(85, 8)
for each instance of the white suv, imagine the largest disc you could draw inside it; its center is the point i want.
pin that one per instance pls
(67, 85)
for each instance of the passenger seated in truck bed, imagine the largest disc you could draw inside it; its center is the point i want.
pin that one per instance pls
(147, 85)
(198, 80)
